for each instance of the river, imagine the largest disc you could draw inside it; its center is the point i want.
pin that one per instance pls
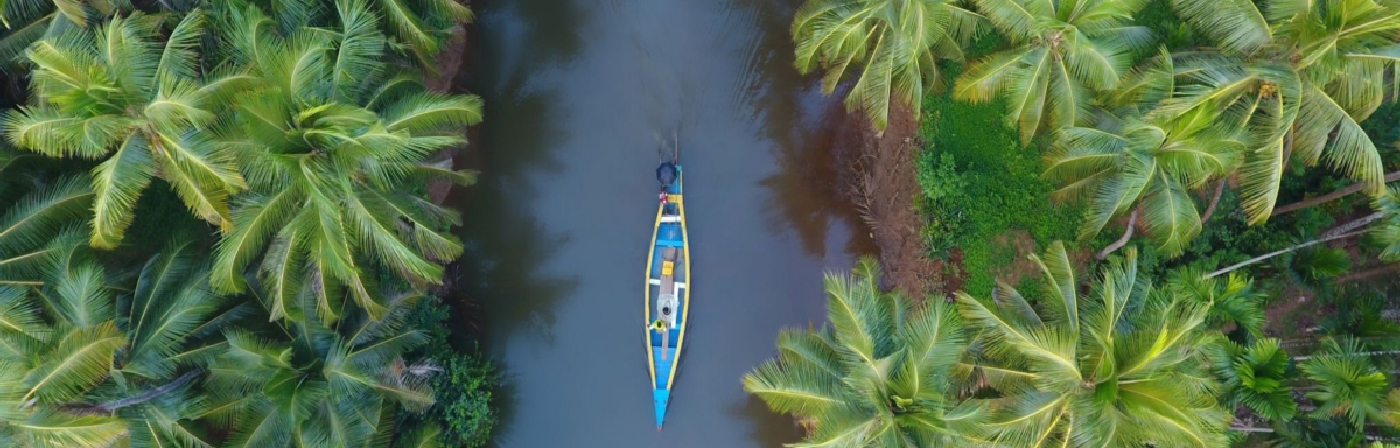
(581, 95)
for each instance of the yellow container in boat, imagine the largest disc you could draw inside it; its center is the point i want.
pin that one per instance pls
(668, 267)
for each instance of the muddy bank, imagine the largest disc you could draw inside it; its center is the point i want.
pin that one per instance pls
(449, 64)
(881, 180)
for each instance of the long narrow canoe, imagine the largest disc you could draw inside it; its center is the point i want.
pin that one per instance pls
(668, 295)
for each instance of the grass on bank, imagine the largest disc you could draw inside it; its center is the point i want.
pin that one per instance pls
(980, 188)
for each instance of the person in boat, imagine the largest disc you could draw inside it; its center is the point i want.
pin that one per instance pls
(666, 174)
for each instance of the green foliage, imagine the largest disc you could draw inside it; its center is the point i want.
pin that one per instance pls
(1298, 76)
(1228, 238)
(1063, 54)
(1386, 234)
(1358, 311)
(1131, 164)
(878, 374)
(230, 107)
(464, 383)
(979, 185)
(464, 408)
(116, 93)
(1172, 32)
(1233, 300)
(897, 42)
(305, 384)
(83, 368)
(1315, 433)
(1314, 266)
(1255, 375)
(335, 150)
(1122, 366)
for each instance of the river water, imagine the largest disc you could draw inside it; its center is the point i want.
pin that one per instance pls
(581, 95)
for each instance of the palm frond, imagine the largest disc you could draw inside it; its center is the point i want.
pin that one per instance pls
(1350, 151)
(255, 219)
(39, 216)
(1235, 25)
(1171, 215)
(117, 183)
(361, 47)
(896, 41)
(428, 112)
(56, 428)
(79, 361)
(411, 28)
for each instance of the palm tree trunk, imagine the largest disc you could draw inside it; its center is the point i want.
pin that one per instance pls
(1132, 221)
(1369, 438)
(1282, 251)
(1210, 210)
(1329, 197)
(1368, 273)
(1374, 353)
(1353, 224)
(153, 393)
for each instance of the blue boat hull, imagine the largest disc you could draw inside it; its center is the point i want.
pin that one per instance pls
(667, 297)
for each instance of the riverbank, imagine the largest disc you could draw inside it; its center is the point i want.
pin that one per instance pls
(450, 65)
(467, 407)
(952, 198)
(879, 174)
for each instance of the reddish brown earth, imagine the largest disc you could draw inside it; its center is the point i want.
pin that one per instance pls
(883, 185)
(449, 64)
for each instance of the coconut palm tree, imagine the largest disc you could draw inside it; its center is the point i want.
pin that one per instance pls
(304, 384)
(1387, 232)
(336, 156)
(114, 93)
(1348, 383)
(425, 25)
(1122, 367)
(80, 367)
(41, 222)
(1233, 301)
(893, 44)
(26, 21)
(1255, 375)
(1142, 168)
(879, 375)
(1300, 75)
(421, 27)
(1063, 53)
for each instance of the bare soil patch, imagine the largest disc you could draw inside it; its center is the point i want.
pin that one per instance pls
(882, 183)
(442, 80)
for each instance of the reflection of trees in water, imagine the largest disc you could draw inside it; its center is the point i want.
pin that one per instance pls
(505, 244)
(548, 32)
(769, 429)
(803, 125)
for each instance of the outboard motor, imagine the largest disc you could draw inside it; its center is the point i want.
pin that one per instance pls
(666, 174)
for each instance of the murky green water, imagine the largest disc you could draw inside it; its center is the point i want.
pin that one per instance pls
(580, 95)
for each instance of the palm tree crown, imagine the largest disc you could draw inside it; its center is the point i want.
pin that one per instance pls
(1299, 75)
(334, 154)
(1064, 52)
(80, 367)
(1123, 368)
(115, 93)
(898, 41)
(1255, 375)
(308, 385)
(878, 376)
(1131, 162)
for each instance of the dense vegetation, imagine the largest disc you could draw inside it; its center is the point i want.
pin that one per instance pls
(1221, 164)
(216, 228)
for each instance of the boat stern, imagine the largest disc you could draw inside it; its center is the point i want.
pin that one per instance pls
(661, 398)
